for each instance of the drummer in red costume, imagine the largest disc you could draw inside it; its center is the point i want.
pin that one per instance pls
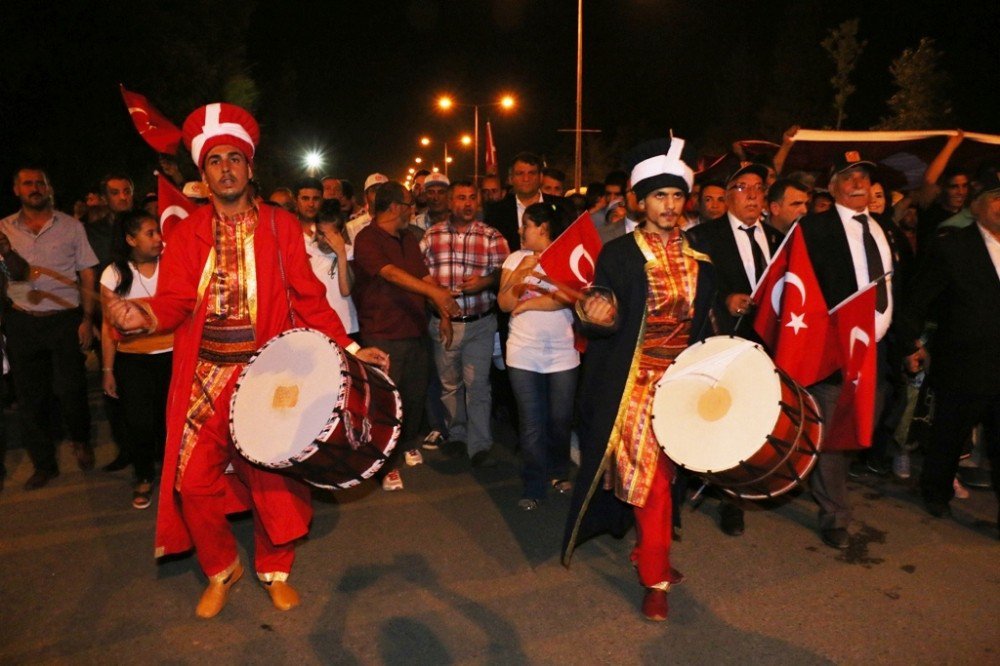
(232, 275)
(663, 289)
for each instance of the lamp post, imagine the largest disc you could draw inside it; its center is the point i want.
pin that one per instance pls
(465, 140)
(445, 103)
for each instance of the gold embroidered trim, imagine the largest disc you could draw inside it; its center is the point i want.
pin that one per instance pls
(225, 573)
(273, 576)
(250, 265)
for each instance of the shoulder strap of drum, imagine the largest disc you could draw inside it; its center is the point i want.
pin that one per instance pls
(281, 269)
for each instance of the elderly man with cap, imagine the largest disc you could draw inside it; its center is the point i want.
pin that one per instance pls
(664, 290)
(848, 249)
(740, 245)
(231, 279)
(958, 286)
(372, 184)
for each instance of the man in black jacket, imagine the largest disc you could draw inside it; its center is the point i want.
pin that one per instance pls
(848, 249)
(958, 285)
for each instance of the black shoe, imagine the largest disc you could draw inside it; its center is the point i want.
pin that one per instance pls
(974, 477)
(878, 466)
(937, 509)
(836, 537)
(731, 519)
(118, 464)
(39, 479)
(483, 460)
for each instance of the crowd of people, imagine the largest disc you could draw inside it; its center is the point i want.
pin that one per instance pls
(439, 284)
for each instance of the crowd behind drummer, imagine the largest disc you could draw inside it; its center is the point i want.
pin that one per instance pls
(394, 277)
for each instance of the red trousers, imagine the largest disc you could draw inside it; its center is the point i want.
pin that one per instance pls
(654, 529)
(203, 505)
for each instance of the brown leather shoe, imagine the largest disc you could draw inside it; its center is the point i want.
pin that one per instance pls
(214, 598)
(654, 605)
(283, 596)
(84, 454)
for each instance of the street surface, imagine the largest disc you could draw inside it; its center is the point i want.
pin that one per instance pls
(450, 571)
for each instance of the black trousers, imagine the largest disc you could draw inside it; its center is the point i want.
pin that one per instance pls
(45, 358)
(955, 415)
(143, 381)
(409, 369)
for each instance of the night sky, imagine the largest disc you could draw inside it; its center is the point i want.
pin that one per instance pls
(359, 80)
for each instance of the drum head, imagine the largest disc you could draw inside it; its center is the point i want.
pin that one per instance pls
(286, 397)
(716, 404)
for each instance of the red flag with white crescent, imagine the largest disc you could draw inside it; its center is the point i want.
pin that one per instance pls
(571, 257)
(172, 203)
(491, 152)
(853, 419)
(154, 128)
(792, 317)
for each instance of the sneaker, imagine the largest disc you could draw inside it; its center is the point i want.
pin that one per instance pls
(142, 495)
(433, 440)
(901, 465)
(414, 458)
(960, 491)
(392, 481)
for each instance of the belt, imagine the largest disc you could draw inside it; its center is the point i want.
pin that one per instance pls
(465, 319)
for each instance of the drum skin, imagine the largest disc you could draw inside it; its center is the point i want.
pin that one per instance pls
(361, 430)
(727, 414)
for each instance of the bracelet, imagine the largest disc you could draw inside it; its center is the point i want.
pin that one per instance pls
(107, 370)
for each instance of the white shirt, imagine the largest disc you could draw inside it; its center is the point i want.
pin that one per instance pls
(743, 245)
(142, 287)
(540, 340)
(992, 246)
(856, 241)
(630, 225)
(355, 226)
(521, 207)
(325, 268)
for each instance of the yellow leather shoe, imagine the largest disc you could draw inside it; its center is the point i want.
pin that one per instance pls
(214, 598)
(283, 596)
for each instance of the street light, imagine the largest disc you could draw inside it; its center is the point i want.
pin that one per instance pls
(313, 161)
(506, 102)
(465, 140)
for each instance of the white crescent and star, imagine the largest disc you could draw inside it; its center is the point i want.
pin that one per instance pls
(580, 254)
(172, 211)
(857, 335)
(797, 321)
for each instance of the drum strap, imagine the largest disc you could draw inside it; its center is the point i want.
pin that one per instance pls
(281, 270)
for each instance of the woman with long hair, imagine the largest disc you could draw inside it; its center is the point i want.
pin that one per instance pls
(137, 368)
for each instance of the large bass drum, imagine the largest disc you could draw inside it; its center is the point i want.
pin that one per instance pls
(725, 412)
(304, 407)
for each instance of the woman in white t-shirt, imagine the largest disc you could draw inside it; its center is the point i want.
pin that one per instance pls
(330, 257)
(541, 358)
(137, 368)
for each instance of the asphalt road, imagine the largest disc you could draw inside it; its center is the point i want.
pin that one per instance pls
(450, 571)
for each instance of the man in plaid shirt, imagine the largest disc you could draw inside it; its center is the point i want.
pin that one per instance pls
(465, 256)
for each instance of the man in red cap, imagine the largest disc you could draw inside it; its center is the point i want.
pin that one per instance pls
(232, 276)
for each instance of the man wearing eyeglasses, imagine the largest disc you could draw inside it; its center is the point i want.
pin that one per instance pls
(740, 245)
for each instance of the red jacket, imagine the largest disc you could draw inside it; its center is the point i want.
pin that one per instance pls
(286, 511)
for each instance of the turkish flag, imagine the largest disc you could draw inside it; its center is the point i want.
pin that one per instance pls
(854, 417)
(792, 317)
(173, 205)
(161, 134)
(569, 261)
(491, 152)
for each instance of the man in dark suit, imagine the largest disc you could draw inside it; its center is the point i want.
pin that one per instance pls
(958, 285)
(848, 249)
(525, 189)
(740, 245)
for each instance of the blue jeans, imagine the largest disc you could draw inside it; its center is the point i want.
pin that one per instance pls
(545, 405)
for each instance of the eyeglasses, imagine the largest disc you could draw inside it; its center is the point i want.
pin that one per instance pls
(407, 203)
(744, 187)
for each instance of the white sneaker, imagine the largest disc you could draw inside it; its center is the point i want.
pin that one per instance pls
(960, 491)
(414, 458)
(901, 465)
(392, 481)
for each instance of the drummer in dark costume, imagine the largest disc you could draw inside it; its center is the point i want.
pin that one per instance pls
(232, 276)
(663, 290)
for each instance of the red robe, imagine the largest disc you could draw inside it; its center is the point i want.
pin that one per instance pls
(281, 501)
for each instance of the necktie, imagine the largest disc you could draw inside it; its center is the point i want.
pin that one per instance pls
(874, 259)
(759, 263)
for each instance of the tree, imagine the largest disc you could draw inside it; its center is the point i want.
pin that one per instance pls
(844, 49)
(920, 102)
